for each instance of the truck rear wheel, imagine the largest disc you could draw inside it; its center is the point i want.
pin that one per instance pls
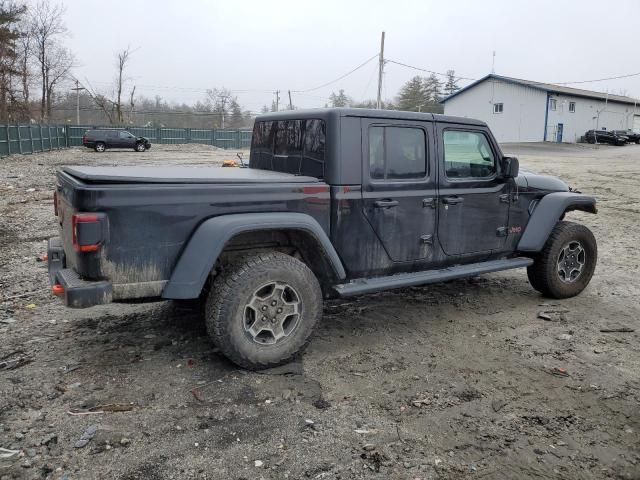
(261, 311)
(566, 264)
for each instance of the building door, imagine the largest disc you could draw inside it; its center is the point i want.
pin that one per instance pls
(399, 188)
(559, 132)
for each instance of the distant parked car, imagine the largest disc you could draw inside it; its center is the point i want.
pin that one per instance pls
(605, 136)
(633, 137)
(102, 139)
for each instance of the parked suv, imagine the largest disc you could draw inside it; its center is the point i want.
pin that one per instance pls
(100, 140)
(630, 134)
(335, 202)
(605, 136)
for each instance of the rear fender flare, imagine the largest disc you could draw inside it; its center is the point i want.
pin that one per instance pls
(547, 213)
(209, 239)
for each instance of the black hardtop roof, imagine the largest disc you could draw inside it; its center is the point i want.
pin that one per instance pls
(329, 114)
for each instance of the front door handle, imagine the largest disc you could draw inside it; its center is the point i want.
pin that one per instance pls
(452, 200)
(386, 203)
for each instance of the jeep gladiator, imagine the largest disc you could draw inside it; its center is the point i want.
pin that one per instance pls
(334, 202)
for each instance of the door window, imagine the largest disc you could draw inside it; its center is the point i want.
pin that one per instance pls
(397, 153)
(467, 155)
(125, 135)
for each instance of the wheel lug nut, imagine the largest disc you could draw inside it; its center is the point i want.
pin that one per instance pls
(279, 310)
(273, 320)
(264, 319)
(264, 307)
(273, 304)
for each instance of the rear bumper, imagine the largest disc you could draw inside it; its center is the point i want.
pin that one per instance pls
(78, 293)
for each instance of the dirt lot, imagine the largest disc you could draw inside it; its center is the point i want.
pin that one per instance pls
(461, 380)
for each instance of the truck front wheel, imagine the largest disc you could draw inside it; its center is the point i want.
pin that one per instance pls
(261, 310)
(566, 264)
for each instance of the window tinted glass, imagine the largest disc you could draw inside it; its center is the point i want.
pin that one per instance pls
(293, 146)
(112, 134)
(397, 153)
(124, 135)
(467, 155)
(313, 152)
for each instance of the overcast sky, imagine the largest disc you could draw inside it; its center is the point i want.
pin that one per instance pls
(185, 47)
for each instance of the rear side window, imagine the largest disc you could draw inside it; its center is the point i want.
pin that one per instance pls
(467, 155)
(397, 153)
(291, 146)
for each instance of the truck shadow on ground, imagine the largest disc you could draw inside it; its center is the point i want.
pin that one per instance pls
(166, 329)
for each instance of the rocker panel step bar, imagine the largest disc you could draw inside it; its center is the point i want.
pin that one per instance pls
(376, 284)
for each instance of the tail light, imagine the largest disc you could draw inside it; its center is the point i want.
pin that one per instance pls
(88, 231)
(84, 139)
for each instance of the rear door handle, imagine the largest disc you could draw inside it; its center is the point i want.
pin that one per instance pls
(452, 200)
(386, 203)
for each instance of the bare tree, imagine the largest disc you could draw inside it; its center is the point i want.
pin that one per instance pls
(46, 26)
(59, 62)
(121, 64)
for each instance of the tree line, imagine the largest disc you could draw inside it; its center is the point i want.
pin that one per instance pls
(418, 94)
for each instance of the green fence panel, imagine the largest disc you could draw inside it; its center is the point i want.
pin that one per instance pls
(33, 138)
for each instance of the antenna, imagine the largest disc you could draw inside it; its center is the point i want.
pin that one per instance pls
(493, 63)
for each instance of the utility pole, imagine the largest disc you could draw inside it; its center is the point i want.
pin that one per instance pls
(223, 98)
(380, 72)
(77, 89)
(290, 102)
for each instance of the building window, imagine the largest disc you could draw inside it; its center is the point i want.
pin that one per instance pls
(498, 107)
(572, 107)
(553, 104)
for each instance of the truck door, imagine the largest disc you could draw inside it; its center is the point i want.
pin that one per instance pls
(473, 202)
(399, 189)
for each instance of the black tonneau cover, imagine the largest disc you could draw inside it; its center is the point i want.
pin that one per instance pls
(227, 175)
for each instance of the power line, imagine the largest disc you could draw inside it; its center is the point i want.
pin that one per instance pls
(428, 71)
(599, 79)
(337, 79)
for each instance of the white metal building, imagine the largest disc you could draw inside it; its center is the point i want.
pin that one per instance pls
(526, 111)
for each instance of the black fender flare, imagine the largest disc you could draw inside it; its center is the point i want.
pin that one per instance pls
(209, 239)
(548, 211)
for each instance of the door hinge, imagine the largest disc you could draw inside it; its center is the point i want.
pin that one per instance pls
(426, 239)
(502, 231)
(505, 198)
(429, 202)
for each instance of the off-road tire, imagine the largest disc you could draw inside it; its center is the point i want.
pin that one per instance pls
(230, 293)
(543, 274)
(100, 147)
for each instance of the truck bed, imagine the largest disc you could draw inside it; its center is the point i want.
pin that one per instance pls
(186, 174)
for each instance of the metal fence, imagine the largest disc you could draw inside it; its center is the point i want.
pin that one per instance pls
(33, 138)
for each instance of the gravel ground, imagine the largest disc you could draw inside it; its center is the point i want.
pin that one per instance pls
(459, 380)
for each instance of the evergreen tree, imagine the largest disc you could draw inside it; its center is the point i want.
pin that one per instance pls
(433, 89)
(451, 85)
(236, 120)
(340, 100)
(413, 96)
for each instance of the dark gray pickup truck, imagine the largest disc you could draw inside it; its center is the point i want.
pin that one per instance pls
(335, 202)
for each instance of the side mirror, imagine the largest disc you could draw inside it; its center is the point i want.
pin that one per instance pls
(510, 167)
